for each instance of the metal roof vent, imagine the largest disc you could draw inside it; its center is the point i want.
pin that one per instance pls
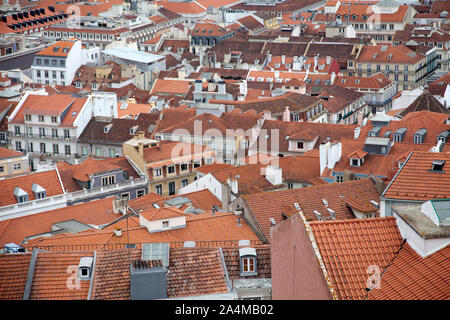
(272, 221)
(318, 215)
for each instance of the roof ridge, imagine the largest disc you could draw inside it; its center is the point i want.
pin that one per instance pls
(341, 221)
(314, 187)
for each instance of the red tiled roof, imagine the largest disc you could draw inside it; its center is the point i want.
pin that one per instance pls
(47, 179)
(416, 180)
(13, 275)
(69, 172)
(52, 274)
(15, 230)
(171, 117)
(399, 54)
(411, 277)
(83, 171)
(58, 49)
(161, 213)
(8, 153)
(268, 205)
(195, 271)
(54, 105)
(362, 243)
(163, 86)
(112, 274)
(201, 227)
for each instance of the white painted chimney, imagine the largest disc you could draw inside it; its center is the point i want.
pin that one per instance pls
(283, 59)
(328, 59)
(356, 132)
(274, 175)
(333, 78)
(286, 115)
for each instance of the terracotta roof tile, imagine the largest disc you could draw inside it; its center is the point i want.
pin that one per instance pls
(81, 172)
(362, 243)
(58, 49)
(399, 54)
(8, 153)
(426, 101)
(112, 274)
(19, 228)
(268, 205)
(200, 227)
(411, 277)
(416, 180)
(47, 179)
(51, 274)
(13, 275)
(195, 271)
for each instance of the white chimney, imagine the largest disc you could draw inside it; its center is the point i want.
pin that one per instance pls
(286, 114)
(243, 87)
(283, 59)
(333, 77)
(316, 62)
(356, 132)
(323, 154)
(328, 59)
(274, 175)
(181, 74)
(233, 183)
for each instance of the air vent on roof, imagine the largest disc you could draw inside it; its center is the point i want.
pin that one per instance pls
(325, 202)
(374, 203)
(332, 214)
(272, 221)
(318, 215)
(296, 206)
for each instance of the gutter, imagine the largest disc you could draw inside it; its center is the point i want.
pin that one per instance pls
(227, 278)
(30, 275)
(91, 284)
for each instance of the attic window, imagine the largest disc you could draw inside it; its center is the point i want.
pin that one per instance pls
(85, 268)
(437, 165)
(248, 261)
(20, 195)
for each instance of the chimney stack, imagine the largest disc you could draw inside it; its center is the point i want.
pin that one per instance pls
(286, 114)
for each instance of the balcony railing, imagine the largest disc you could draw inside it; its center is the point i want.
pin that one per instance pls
(41, 137)
(89, 193)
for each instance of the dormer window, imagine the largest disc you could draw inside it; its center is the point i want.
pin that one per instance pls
(248, 261)
(39, 192)
(85, 268)
(355, 162)
(437, 165)
(20, 195)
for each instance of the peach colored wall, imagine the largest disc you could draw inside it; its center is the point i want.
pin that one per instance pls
(296, 273)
